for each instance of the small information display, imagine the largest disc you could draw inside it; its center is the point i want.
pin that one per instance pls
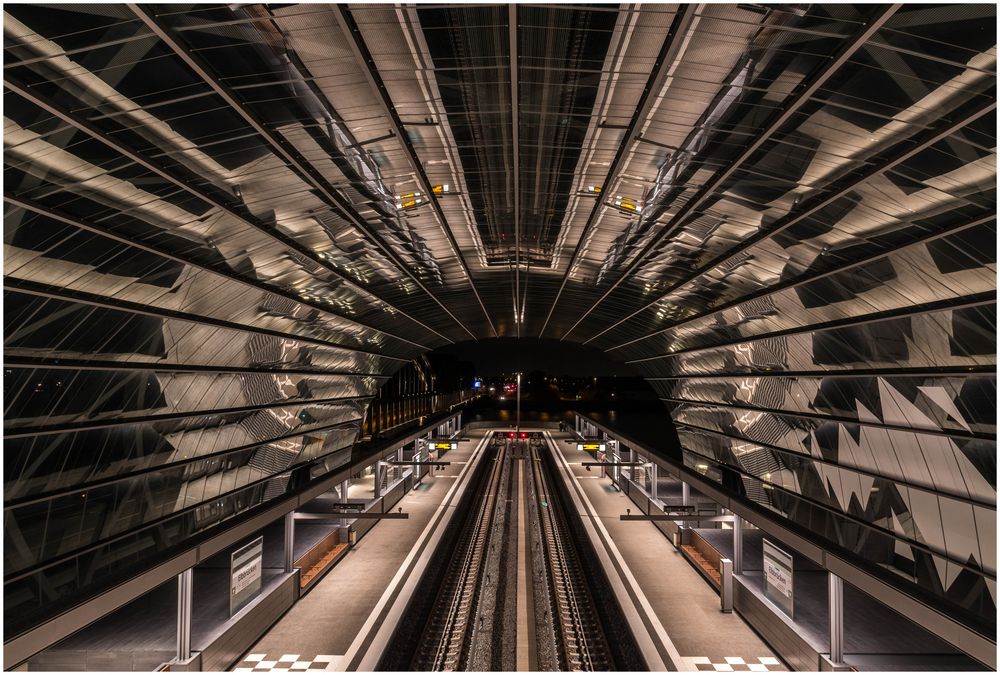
(445, 446)
(778, 577)
(246, 567)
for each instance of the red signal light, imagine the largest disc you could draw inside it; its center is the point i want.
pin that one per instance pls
(524, 435)
(510, 435)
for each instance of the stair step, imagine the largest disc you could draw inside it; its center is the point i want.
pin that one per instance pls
(318, 568)
(703, 563)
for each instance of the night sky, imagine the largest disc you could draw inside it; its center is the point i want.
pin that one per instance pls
(503, 355)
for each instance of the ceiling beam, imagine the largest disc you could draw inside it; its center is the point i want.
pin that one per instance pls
(42, 210)
(812, 278)
(280, 147)
(515, 128)
(89, 425)
(50, 362)
(906, 149)
(966, 302)
(367, 64)
(805, 92)
(63, 294)
(673, 43)
(83, 125)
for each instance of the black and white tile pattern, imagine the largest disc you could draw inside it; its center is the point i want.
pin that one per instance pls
(288, 663)
(729, 664)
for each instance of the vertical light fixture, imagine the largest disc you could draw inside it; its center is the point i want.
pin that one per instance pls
(517, 428)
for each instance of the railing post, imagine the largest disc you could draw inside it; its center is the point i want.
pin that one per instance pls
(836, 618)
(185, 586)
(737, 544)
(726, 591)
(289, 541)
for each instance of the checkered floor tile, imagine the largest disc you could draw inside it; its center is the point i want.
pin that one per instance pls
(287, 663)
(730, 664)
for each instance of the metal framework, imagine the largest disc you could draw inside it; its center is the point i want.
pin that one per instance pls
(207, 276)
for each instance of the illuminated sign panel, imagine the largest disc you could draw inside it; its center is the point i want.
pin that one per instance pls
(778, 577)
(246, 566)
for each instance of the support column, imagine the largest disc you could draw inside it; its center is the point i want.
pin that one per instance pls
(685, 493)
(185, 587)
(836, 618)
(289, 540)
(737, 545)
(653, 482)
(378, 479)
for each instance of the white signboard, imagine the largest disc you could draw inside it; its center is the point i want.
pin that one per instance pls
(778, 577)
(246, 567)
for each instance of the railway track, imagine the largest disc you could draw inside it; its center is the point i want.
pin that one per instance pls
(463, 616)
(450, 626)
(581, 639)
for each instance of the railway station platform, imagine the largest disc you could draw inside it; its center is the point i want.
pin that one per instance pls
(877, 635)
(330, 627)
(681, 611)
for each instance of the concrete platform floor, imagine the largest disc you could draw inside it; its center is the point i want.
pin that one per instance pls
(319, 630)
(682, 601)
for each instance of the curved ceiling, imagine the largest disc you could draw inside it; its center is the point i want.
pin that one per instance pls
(218, 215)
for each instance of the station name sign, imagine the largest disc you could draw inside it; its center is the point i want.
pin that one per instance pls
(246, 567)
(778, 577)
